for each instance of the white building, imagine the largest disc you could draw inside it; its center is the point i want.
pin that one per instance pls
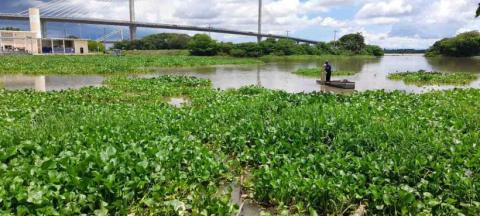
(32, 42)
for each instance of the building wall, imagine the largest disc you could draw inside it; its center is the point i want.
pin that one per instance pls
(19, 40)
(23, 40)
(79, 44)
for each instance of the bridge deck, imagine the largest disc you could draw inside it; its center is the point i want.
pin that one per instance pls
(152, 25)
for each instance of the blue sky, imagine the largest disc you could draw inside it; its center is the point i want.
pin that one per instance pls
(388, 23)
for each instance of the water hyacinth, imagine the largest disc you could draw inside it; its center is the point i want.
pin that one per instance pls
(123, 149)
(422, 78)
(104, 64)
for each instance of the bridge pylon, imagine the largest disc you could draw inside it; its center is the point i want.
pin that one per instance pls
(133, 28)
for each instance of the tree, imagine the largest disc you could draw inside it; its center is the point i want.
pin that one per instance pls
(353, 42)
(478, 11)
(374, 50)
(167, 41)
(95, 46)
(156, 42)
(203, 45)
(285, 47)
(463, 45)
(246, 50)
(268, 46)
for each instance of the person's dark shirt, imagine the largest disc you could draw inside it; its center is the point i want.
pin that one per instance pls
(328, 68)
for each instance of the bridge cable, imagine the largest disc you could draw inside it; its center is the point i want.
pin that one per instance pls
(70, 12)
(59, 9)
(52, 8)
(42, 5)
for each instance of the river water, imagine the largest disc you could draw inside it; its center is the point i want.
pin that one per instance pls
(372, 75)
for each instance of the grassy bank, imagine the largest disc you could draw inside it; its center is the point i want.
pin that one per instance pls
(121, 149)
(315, 72)
(422, 78)
(105, 64)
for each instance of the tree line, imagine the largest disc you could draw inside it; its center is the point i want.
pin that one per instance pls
(204, 45)
(463, 45)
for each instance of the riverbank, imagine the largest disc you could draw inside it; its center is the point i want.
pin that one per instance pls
(123, 149)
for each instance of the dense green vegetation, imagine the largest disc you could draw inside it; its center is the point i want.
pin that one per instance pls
(463, 45)
(156, 52)
(121, 149)
(156, 42)
(105, 64)
(203, 45)
(422, 78)
(322, 58)
(353, 44)
(315, 72)
(95, 46)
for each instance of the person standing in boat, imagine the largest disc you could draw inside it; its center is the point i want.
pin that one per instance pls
(328, 69)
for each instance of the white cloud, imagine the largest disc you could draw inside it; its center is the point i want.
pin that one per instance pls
(385, 9)
(390, 23)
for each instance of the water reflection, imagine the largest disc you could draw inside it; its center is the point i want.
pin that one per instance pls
(471, 65)
(49, 83)
(372, 74)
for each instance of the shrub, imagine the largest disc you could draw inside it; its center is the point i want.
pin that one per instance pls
(248, 49)
(95, 46)
(203, 45)
(156, 42)
(374, 50)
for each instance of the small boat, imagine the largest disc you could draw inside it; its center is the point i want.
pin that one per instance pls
(344, 84)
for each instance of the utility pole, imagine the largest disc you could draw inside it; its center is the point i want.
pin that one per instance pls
(288, 32)
(335, 39)
(133, 29)
(259, 38)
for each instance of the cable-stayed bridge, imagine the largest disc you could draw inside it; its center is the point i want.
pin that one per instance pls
(64, 12)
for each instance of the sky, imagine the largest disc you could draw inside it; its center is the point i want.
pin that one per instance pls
(388, 23)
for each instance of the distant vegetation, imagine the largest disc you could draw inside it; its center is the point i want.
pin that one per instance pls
(94, 46)
(463, 45)
(422, 78)
(203, 45)
(352, 44)
(9, 28)
(156, 42)
(315, 72)
(405, 51)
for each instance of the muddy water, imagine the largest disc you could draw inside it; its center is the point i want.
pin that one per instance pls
(372, 75)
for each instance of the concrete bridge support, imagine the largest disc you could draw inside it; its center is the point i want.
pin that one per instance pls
(259, 38)
(133, 29)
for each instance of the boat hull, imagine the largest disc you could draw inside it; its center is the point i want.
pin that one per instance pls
(338, 84)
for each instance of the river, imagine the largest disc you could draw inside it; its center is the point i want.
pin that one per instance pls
(372, 75)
